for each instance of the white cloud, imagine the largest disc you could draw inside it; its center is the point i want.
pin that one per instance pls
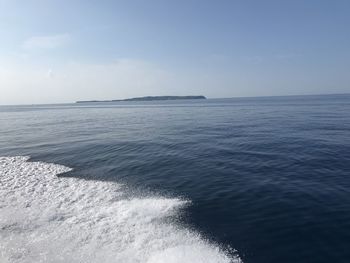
(254, 59)
(46, 42)
(50, 73)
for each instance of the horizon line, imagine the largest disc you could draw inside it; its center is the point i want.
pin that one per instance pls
(208, 98)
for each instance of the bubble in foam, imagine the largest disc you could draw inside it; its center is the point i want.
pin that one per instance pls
(45, 218)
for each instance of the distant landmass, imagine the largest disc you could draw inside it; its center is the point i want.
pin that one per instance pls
(150, 98)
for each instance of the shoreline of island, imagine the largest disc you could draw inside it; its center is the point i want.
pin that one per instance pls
(148, 98)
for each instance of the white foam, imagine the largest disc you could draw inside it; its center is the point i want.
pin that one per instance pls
(45, 218)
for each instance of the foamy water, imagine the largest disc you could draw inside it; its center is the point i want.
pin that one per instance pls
(45, 218)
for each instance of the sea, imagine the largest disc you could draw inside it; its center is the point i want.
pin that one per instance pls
(253, 180)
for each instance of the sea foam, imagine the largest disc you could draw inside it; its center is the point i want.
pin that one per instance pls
(45, 218)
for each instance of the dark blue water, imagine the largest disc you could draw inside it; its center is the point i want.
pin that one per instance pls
(269, 177)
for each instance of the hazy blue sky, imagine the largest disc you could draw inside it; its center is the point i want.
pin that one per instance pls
(62, 51)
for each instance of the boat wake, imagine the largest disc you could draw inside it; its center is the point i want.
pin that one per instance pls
(45, 218)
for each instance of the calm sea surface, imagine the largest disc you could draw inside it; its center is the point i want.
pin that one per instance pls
(267, 177)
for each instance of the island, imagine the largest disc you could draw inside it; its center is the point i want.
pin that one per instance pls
(150, 98)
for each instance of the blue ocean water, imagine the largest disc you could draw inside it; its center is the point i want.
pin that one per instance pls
(268, 177)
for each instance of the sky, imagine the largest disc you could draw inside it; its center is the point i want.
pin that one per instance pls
(64, 51)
